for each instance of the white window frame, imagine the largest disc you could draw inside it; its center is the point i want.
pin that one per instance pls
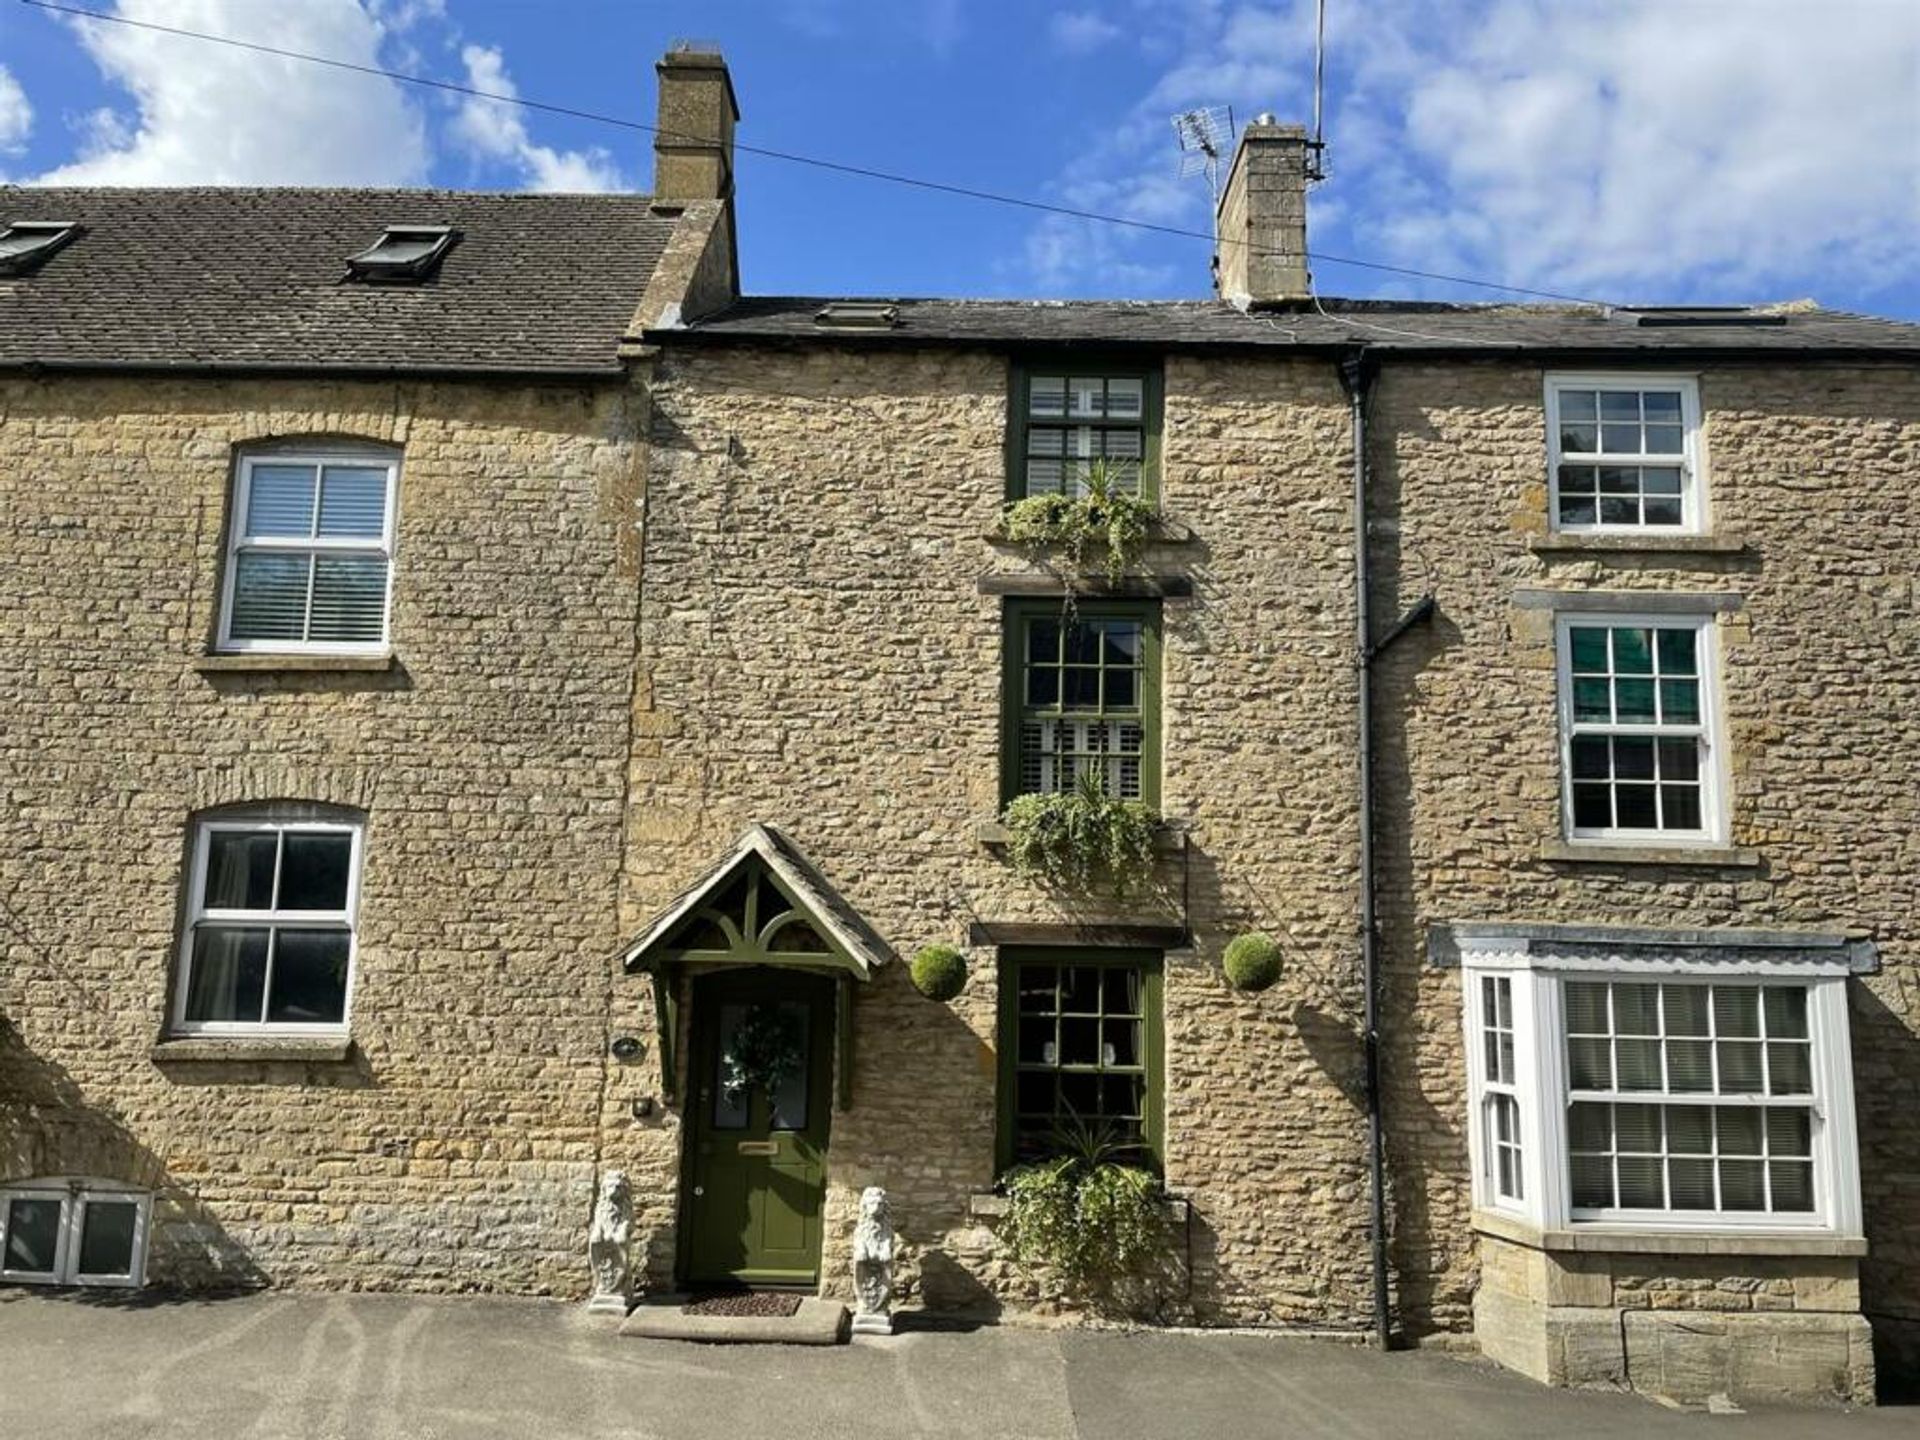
(1545, 1093)
(238, 544)
(1709, 731)
(1488, 1090)
(1692, 461)
(199, 915)
(74, 1196)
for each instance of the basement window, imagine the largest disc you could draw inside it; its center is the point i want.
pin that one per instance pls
(404, 252)
(73, 1232)
(26, 244)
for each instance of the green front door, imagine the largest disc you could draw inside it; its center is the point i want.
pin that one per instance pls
(757, 1114)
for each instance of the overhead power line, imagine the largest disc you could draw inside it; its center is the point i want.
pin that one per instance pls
(862, 171)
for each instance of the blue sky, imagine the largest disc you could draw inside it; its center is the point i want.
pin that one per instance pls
(1626, 150)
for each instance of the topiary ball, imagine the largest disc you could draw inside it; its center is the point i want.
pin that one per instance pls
(939, 972)
(1252, 962)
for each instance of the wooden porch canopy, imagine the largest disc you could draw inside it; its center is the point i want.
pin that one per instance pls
(762, 903)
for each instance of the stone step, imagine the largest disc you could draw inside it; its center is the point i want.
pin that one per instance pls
(663, 1317)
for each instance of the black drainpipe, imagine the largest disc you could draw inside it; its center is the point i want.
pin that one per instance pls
(1357, 375)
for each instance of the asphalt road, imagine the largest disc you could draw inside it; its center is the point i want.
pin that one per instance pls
(376, 1367)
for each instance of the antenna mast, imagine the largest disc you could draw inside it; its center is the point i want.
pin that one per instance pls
(1204, 133)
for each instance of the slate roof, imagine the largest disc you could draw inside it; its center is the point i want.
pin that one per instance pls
(1398, 326)
(253, 278)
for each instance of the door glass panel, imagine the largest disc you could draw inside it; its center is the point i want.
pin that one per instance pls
(729, 1104)
(106, 1237)
(33, 1235)
(788, 1102)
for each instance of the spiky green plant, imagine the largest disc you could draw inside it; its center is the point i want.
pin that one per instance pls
(1108, 523)
(1080, 838)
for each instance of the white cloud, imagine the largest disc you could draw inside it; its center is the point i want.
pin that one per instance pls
(1080, 31)
(1638, 151)
(214, 115)
(210, 114)
(16, 114)
(490, 130)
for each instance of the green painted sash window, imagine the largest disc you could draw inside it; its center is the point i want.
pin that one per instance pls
(1080, 1046)
(1065, 417)
(1082, 695)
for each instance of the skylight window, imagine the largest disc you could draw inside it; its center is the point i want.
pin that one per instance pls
(24, 244)
(404, 252)
(857, 315)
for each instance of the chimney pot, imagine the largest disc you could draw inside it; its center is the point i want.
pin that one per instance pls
(1260, 227)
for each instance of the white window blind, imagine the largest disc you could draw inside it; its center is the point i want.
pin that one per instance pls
(311, 558)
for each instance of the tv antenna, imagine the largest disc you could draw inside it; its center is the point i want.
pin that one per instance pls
(1205, 134)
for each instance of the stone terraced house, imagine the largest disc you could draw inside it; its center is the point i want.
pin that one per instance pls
(472, 677)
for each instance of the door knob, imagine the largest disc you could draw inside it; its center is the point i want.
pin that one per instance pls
(698, 1191)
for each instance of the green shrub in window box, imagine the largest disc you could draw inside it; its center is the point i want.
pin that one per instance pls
(1251, 962)
(939, 972)
(1086, 1217)
(1107, 524)
(1081, 838)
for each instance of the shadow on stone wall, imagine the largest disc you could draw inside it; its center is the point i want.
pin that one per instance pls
(48, 1127)
(1886, 1056)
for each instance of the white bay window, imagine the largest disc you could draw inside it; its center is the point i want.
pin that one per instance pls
(1699, 1082)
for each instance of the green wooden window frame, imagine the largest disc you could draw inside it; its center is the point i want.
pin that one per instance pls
(1022, 422)
(1086, 1030)
(1080, 730)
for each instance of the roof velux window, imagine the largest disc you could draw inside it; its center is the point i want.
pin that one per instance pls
(25, 243)
(858, 315)
(404, 252)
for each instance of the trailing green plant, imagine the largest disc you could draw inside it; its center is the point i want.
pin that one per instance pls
(1086, 1215)
(1107, 523)
(1251, 962)
(939, 972)
(1077, 838)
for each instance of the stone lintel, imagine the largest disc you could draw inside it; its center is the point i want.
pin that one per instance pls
(1635, 602)
(1053, 587)
(1041, 933)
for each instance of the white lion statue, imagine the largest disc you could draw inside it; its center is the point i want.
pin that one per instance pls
(873, 1263)
(607, 1244)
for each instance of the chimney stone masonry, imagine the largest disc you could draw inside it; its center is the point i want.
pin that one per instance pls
(693, 146)
(1260, 229)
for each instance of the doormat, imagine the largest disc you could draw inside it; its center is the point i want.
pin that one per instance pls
(773, 1303)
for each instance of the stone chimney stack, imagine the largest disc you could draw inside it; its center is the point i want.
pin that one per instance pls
(1260, 249)
(699, 271)
(693, 147)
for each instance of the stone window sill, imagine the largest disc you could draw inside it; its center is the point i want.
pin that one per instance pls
(1169, 838)
(1587, 852)
(1161, 531)
(1617, 1240)
(254, 663)
(1611, 544)
(989, 1205)
(230, 1049)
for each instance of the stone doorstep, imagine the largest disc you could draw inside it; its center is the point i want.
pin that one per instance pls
(661, 1317)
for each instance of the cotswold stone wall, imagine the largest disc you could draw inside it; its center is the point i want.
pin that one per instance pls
(456, 1148)
(1812, 468)
(817, 654)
